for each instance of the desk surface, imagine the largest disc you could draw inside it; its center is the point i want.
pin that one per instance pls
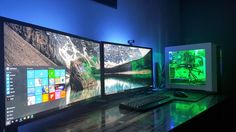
(111, 118)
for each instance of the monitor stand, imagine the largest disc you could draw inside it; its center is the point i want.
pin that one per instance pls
(158, 89)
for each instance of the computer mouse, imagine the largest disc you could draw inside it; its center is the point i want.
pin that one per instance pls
(180, 94)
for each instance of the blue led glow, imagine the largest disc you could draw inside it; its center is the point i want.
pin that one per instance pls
(87, 19)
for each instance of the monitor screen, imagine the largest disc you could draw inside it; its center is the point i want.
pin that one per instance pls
(126, 67)
(46, 70)
(191, 66)
(187, 67)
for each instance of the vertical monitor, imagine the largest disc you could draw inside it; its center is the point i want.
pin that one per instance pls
(126, 67)
(46, 70)
(191, 66)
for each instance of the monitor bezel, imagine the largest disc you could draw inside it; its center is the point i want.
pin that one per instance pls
(2, 76)
(50, 112)
(134, 90)
(210, 49)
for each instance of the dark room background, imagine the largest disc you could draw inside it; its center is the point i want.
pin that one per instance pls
(151, 23)
(212, 21)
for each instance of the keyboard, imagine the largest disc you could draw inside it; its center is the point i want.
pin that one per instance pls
(145, 103)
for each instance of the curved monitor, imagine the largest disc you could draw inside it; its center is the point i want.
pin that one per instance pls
(46, 70)
(191, 66)
(126, 67)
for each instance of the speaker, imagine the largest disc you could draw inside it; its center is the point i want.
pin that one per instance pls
(219, 69)
(158, 75)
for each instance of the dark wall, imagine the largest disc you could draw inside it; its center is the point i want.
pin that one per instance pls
(212, 21)
(151, 23)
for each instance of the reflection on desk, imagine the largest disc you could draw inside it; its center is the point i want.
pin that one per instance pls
(111, 118)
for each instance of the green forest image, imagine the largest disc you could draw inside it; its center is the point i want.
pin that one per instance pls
(126, 68)
(187, 67)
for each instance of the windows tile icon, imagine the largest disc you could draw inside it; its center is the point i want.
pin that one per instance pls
(31, 100)
(57, 73)
(38, 99)
(30, 73)
(51, 73)
(45, 90)
(52, 96)
(51, 89)
(38, 90)
(63, 73)
(41, 73)
(51, 81)
(44, 81)
(31, 91)
(38, 82)
(57, 95)
(62, 80)
(63, 94)
(45, 85)
(30, 83)
(57, 81)
(45, 97)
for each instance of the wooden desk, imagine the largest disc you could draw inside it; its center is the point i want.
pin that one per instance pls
(165, 118)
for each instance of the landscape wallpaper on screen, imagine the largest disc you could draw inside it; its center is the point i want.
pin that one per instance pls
(126, 68)
(187, 67)
(28, 46)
